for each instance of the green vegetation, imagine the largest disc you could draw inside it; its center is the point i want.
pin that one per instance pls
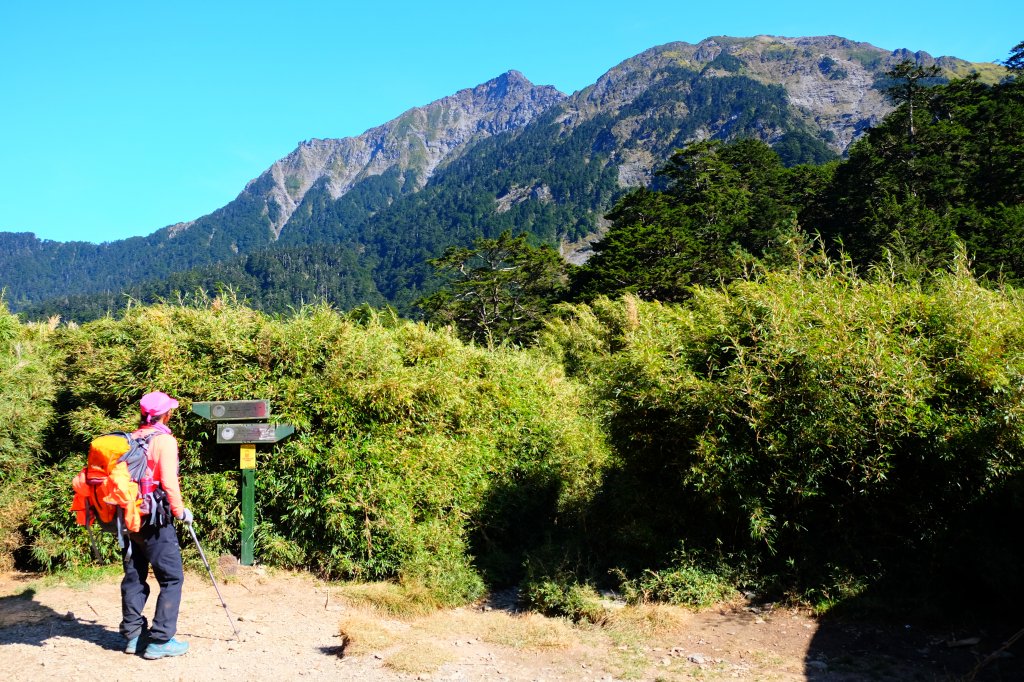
(799, 432)
(499, 290)
(36, 270)
(785, 379)
(726, 62)
(944, 165)
(942, 168)
(379, 236)
(723, 205)
(830, 69)
(563, 596)
(275, 281)
(410, 445)
(27, 388)
(776, 52)
(869, 59)
(683, 583)
(805, 420)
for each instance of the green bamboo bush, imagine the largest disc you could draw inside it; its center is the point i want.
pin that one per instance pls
(412, 450)
(810, 428)
(26, 406)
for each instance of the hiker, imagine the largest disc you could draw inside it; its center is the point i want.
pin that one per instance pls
(156, 544)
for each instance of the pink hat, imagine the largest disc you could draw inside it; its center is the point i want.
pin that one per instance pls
(157, 403)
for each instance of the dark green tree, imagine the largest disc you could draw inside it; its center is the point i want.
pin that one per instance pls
(943, 167)
(1015, 62)
(909, 84)
(724, 205)
(499, 290)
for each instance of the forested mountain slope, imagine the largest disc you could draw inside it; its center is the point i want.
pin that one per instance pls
(504, 155)
(410, 147)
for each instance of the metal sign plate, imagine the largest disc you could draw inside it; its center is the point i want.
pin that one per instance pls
(233, 409)
(253, 433)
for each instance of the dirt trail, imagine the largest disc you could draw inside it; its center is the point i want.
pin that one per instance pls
(290, 630)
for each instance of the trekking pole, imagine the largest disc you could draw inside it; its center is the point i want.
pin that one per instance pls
(210, 571)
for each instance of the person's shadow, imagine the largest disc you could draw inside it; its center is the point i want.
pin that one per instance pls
(23, 620)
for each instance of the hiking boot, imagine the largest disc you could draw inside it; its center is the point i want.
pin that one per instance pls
(172, 647)
(132, 646)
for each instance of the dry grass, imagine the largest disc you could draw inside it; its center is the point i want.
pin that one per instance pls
(629, 633)
(527, 631)
(650, 621)
(363, 633)
(421, 657)
(387, 621)
(633, 643)
(417, 645)
(13, 511)
(380, 622)
(400, 601)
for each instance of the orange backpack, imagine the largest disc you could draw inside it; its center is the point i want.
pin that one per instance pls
(115, 488)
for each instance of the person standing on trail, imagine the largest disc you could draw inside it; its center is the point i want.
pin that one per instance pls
(156, 544)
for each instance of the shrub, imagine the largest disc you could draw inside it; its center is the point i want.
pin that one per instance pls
(805, 419)
(683, 585)
(26, 408)
(564, 597)
(406, 439)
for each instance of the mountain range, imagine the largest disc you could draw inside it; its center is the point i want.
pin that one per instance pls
(355, 220)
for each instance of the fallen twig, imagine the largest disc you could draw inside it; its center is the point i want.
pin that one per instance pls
(992, 656)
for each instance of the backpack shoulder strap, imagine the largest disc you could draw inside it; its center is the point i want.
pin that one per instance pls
(144, 440)
(137, 456)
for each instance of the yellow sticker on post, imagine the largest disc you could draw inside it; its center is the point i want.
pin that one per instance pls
(247, 456)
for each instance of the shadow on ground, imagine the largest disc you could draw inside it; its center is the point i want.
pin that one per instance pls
(954, 610)
(23, 620)
(850, 649)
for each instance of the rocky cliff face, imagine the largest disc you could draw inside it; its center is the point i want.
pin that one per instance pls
(419, 140)
(831, 82)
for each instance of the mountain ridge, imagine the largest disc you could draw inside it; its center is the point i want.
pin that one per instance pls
(419, 139)
(804, 95)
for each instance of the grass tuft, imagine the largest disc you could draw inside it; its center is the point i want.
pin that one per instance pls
(528, 631)
(422, 657)
(398, 600)
(362, 633)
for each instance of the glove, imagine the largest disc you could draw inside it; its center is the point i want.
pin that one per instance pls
(186, 516)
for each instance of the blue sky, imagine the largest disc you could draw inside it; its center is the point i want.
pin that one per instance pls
(119, 118)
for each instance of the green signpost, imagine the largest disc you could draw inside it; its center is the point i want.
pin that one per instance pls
(246, 435)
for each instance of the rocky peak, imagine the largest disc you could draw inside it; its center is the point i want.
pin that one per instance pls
(419, 140)
(830, 80)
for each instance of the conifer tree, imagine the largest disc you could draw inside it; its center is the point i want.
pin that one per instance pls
(498, 290)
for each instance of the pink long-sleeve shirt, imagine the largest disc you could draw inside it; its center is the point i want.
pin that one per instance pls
(163, 463)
